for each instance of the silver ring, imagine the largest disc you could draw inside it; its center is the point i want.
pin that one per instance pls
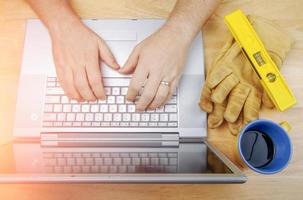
(165, 83)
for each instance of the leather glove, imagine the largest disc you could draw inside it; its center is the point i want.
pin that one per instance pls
(232, 88)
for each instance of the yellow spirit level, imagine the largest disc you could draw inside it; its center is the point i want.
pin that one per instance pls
(267, 71)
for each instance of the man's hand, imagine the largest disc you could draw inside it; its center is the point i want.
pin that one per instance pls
(78, 53)
(158, 58)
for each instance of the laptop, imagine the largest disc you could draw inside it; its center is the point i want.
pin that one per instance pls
(61, 140)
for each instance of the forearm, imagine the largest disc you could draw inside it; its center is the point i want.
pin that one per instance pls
(55, 14)
(188, 16)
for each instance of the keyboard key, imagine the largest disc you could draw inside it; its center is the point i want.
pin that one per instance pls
(86, 124)
(162, 124)
(98, 117)
(161, 109)
(54, 91)
(48, 108)
(145, 117)
(85, 169)
(122, 108)
(70, 161)
(120, 99)
(64, 99)
(136, 161)
(49, 117)
(107, 117)
(76, 108)
(85, 108)
(134, 124)
(117, 117)
(107, 91)
(163, 117)
(131, 169)
(124, 124)
(89, 117)
(58, 108)
(76, 169)
(113, 108)
(136, 117)
(173, 161)
(104, 169)
(105, 124)
(126, 161)
(61, 117)
(80, 161)
(143, 124)
(122, 169)
(115, 91)
(131, 108)
(96, 124)
(111, 99)
(95, 108)
(99, 161)
(89, 161)
(67, 108)
(124, 91)
(172, 124)
(70, 117)
(163, 161)
(154, 161)
(50, 162)
(68, 124)
(107, 161)
(61, 161)
(173, 100)
(57, 124)
(117, 161)
(52, 99)
(80, 117)
(173, 117)
(154, 117)
(170, 108)
(113, 169)
(94, 169)
(126, 117)
(104, 108)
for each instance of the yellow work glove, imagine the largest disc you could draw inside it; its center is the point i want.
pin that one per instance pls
(232, 88)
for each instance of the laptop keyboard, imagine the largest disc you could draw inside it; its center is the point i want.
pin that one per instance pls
(105, 162)
(114, 112)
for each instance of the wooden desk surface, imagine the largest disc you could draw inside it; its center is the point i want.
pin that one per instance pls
(285, 185)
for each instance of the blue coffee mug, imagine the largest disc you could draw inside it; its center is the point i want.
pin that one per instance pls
(280, 139)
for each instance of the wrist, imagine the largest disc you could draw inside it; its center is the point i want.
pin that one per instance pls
(61, 23)
(180, 31)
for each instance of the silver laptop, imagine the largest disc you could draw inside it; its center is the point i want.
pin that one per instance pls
(60, 140)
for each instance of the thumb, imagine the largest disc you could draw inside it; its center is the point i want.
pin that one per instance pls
(106, 55)
(131, 63)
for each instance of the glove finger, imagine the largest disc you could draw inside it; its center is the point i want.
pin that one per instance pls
(205, 100)
(235, 127)
(224, 88)
(215, 119)
(236, 102)
(267, 101)
(224, 50)
(252, 106)
(218, 75)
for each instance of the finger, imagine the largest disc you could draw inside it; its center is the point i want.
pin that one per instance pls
(107, 56)
(235, 127)
(131, 63)
(216, 118)
(252, 107)
(205, 99)
(82, 85)
(149, 92)
(236, 102)
(65, 77)
(172, 90)
(217, 75)
(160, 97)
(95, 78)
(267, 101)
(137, 82)
(224, 88)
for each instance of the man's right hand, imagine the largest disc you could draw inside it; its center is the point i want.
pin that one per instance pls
(78, 53)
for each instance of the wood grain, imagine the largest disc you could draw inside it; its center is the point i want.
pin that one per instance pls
(285, 185)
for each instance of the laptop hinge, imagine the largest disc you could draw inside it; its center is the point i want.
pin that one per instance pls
(147, 139)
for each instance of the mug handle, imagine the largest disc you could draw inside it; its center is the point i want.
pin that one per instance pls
(285, 125)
